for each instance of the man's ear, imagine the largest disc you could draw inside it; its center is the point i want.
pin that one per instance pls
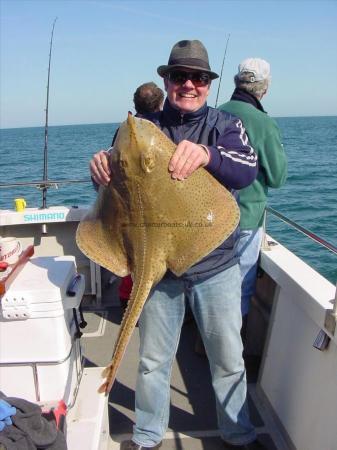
(209, 87)
(165, 84)
(264, 93)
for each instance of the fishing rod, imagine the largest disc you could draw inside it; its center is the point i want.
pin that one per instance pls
(223, 62)
(45, 152)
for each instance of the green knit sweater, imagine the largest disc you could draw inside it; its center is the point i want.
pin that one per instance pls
(264, 136)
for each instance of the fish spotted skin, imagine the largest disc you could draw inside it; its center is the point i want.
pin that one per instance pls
(145, 223)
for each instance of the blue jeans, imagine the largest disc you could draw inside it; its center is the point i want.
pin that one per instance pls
(248, 251)
(215, 303)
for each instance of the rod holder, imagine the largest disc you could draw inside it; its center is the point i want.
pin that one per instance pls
(322, 341)
(331, 317)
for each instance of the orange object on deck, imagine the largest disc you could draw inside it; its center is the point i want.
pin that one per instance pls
(7, 280)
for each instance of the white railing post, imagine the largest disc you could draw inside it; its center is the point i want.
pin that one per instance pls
(265, 244)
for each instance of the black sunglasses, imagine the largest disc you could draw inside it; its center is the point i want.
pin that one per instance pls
(180, 77)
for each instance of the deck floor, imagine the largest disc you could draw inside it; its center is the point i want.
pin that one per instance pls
(193, 424)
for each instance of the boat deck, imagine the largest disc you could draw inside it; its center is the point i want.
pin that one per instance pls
(193, 424)
(292, 325)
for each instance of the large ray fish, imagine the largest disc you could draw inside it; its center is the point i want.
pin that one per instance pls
(145, 223)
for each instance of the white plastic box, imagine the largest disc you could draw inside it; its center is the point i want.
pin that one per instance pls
(40, 357)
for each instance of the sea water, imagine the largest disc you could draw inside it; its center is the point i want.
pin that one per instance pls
(308, 197)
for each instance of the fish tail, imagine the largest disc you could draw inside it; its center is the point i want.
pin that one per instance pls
(103, 389)
(138, 296)
(109, 374)
(106, 372)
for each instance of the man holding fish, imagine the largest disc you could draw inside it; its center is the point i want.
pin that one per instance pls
(216, 141)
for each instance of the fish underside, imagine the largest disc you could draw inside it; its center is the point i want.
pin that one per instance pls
(145, 223)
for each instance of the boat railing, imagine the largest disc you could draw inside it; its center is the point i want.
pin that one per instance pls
(303, 230)
(47, 184)
(331, 315)
(43, 184)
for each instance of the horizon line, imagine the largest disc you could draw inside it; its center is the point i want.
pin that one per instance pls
(113, 123)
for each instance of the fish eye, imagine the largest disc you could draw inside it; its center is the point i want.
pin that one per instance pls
(147, 162)
(123, 163)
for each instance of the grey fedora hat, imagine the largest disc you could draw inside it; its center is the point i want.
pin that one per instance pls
(188, 55)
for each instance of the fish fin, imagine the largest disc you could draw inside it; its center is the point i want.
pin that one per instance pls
(99, 238)
(205, 227)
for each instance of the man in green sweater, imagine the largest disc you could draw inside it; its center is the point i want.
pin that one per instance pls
(251, 84)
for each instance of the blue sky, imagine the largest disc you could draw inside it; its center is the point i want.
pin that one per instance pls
(104, 49)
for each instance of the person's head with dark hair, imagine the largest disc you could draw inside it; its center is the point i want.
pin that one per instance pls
(148, 98)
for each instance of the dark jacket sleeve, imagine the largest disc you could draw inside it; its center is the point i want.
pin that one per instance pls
(233, 160)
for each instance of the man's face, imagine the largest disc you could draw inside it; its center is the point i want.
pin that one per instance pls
(187, 90)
